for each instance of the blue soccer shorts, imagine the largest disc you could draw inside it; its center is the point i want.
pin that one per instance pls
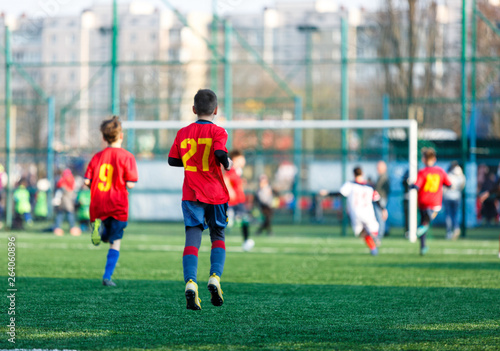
(206, 215)
(112, 229)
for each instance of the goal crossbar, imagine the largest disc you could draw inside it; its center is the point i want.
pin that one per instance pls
(410, 125)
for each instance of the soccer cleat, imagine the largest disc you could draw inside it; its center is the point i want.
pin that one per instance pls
(96, 236)
(456, 234)
(108, 282)
(215, 290)
(424, 250)
(374, 252)
(422, 230)
(192, 299)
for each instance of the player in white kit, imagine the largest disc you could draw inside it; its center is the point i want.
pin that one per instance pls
(361, 198)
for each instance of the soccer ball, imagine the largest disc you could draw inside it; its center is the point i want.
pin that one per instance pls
(248, 245)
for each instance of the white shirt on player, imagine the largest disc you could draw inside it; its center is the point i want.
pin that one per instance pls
(360, 198)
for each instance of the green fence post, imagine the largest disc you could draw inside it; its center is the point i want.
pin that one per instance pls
(131, 131)
(228, 77)
(344, 112)
(8, 127)
(297, 156)
(51, 119)
(115, 87)
(385, 133)
(464, 110)
(214, 43)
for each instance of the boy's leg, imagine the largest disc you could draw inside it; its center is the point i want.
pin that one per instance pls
(218, 252)
(190, 256)
(112, 233)
(217, 260)
(216, 217)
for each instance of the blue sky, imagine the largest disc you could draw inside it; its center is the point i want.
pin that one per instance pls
(75, 6)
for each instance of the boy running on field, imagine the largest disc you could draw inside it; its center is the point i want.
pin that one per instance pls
(361, 198)
(237, 199)
(360, 201)
(201, 149)
(109, 174)
(430, 181)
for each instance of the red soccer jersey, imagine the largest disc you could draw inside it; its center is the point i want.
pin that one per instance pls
(237, 184)
(195, 146)
(430, 182)
(109, 171)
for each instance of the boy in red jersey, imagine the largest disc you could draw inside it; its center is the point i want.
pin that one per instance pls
(430, 181)
(109, 174)
(201, 149)
(237, 199)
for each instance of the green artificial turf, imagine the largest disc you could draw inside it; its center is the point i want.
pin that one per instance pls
(304, 288)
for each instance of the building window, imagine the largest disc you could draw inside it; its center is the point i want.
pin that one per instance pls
(54, 57)
(133, 37)
(72, 76)
(72, 38)
(53, 78)
(153, 36)
(54, 38)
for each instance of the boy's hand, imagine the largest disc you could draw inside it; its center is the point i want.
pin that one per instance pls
(130, 185)
(230, 165)
(385, 214)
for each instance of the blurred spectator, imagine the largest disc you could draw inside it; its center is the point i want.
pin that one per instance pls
(406, 199)
(383, 188)
(452, 198)
(41, 210)
(83, 208)
(264, 198)
(64, 201)
(489, 210)
(22, 205)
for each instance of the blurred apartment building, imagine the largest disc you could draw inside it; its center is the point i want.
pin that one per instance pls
(163, 63)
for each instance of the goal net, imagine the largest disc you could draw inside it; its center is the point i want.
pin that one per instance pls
(284, 151)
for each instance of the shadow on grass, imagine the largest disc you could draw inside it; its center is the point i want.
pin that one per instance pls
(81, 314)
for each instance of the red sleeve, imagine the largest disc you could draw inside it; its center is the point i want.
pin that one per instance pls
(131, 174)
(174, 150)
(89, 174)
(220, 140)
(420, 180)
(446, 180)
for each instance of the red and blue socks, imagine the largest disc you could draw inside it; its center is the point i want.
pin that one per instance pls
(112, 259)
(217, 257)
(190, 256)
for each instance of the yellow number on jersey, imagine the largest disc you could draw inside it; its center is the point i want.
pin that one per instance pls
(189, 154)
(432, 183)
(192, 151)
(106, 177)
(206, 154)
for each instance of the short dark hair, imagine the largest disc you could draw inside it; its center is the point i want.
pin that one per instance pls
(428, 153)
(235, 153)
(205, 102)
(358, 171)
(111, 129)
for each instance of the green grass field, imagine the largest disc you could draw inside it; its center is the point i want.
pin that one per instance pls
(304, 288)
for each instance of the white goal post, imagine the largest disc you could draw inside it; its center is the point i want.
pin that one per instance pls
(410, 125)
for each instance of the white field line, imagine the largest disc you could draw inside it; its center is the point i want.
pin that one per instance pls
(265, 250)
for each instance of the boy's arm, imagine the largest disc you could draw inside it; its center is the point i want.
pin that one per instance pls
(175, 162)
(224, 159)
